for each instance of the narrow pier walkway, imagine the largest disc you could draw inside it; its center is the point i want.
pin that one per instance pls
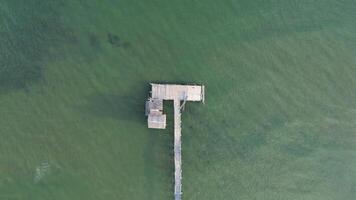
(177, 151)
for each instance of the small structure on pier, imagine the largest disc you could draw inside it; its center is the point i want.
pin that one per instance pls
(154, 109)
(156, 119)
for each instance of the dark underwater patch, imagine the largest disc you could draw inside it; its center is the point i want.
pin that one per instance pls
(125, 107)
(116, 41)
(29, 29)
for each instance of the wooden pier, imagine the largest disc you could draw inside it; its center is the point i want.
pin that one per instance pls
(156, 118)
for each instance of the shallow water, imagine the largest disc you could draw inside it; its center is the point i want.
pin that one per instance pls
(279, 118)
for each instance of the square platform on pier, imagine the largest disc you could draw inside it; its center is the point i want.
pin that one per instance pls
(157, 121)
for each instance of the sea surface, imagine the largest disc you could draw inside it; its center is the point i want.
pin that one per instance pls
(279, 121)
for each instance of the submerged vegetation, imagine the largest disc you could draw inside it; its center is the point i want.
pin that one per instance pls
(26, 37)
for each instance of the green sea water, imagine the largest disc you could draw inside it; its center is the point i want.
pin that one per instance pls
(279, 122)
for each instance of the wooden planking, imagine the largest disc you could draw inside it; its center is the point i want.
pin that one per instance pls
(182, 92)
(157, 121)
(177, 151)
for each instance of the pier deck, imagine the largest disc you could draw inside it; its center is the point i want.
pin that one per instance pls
(156, 119)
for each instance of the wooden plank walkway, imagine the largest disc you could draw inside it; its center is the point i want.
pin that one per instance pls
(177, 151)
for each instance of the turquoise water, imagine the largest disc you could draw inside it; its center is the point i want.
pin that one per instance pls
(279, 118)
